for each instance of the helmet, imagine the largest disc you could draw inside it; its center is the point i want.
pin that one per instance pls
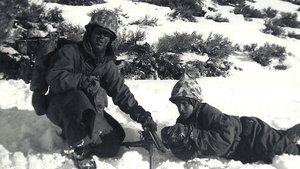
(186, 89)
(107, 20)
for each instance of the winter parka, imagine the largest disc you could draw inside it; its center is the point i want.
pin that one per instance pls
(247, 139)
(67, 102)
(213, 133)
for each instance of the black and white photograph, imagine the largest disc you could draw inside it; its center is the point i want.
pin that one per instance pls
(149, 84)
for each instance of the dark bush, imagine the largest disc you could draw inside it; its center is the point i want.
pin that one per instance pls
(71, 32)
(31, 17)
(54, 15)
(250, 48)
(264, 54)
(287, 20)
(169, 66)
(297, 2)
(230, 2)
(15, 68)
(209, 68)
(127, 41)
(77, 2)
(146, 21)
(185, 9)
(293, 35)
(280, 67)
(178, 42)
(138, 69)
(248, 12)
(271, 28)
(9, 10)
(195, 69)
(216, 47)
(216, 68)
(143, 66)
(34, 19)
(269, 12)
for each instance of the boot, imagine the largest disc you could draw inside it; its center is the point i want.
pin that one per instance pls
(293, 133)
(83, 158)
(82, 155)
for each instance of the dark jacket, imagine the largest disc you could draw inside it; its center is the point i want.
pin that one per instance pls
(67, 101)
(247, 139)
(214, 133)
(71, 63)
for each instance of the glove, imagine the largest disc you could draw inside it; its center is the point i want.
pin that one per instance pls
(90, 85)
(138, 114)
(148, 123)
(176, 135)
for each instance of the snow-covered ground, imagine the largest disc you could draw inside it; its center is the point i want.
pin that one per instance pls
(31, 141)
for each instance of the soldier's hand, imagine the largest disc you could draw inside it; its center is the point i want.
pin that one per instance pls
(90, 84)
(178, 131)
(148, 123)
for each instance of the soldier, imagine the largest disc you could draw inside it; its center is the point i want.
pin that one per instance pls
(80, 77)
(202, 130)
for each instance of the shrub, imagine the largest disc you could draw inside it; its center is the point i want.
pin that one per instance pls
(15, 69)
(293, 35)
(230, 2)
(54, 15)
(248, 12)
(217, 18)
(269, 12)
(216, 68)
(209, 68)
(280, 67)
(146, 21)
(71, 32)
(185, 9)
(216, 47)
(187, 13)
(287, 20)
(264, 54)
(271, 28)
(128, 40)
(195, 69)
(31, 17)
(169, 66)
(178, 42)
(77, 2)
(250, 48)
(35, 19)
(139, 69)
(9, 9)
(297, 2)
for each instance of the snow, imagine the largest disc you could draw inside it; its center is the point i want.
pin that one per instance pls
(31, 141)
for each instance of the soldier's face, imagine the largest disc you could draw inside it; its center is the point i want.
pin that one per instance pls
(185, 108)
(99, 39)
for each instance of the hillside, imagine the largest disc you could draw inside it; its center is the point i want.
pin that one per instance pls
(30, 141)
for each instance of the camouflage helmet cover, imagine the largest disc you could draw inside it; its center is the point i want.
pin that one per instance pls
(187, 88)
(107, 20)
